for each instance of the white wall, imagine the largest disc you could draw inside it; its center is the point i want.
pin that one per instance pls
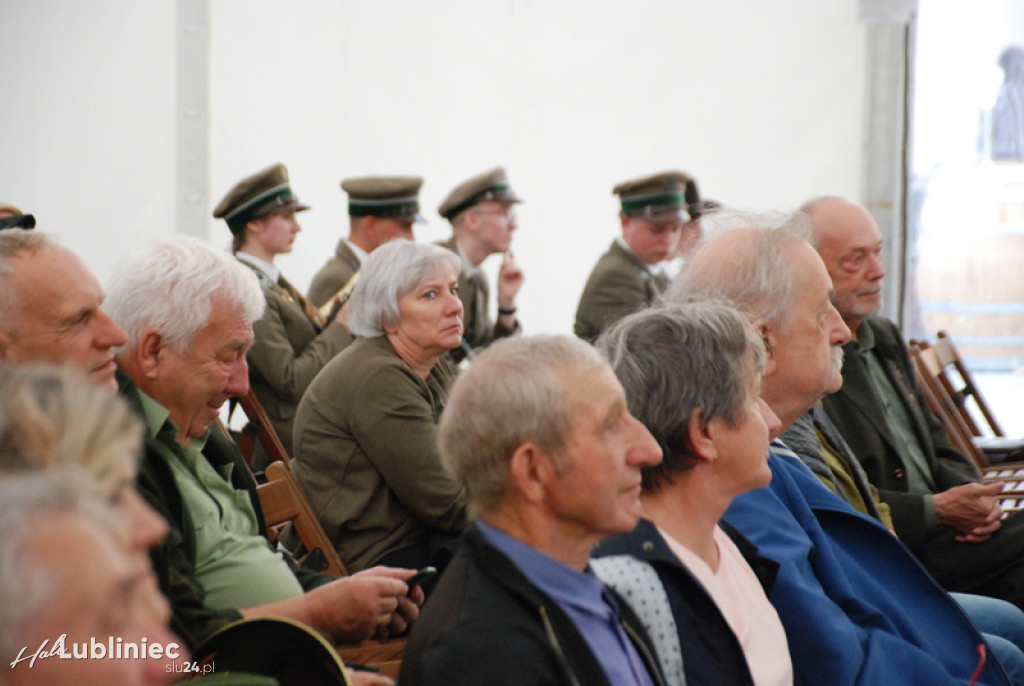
(762, 102)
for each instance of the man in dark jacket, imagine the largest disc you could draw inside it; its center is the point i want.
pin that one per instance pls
(551, 468)
(940, 510)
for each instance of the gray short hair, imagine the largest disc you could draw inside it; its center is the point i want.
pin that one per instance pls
(171, 286)
(14, 242)
(513, 393)
(52, 418)
(391, 271)
(759, 281)
(27, 585)
(675, 359)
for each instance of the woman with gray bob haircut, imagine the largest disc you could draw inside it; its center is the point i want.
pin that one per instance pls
(692, 374)
(390, 272)
(365, 435)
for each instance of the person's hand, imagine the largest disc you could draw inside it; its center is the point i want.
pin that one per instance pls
(972, 509)
(408, 605)
(357, 607)
(359, 677)
(510, 280)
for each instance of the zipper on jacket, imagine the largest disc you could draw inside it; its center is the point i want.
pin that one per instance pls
(550, 631)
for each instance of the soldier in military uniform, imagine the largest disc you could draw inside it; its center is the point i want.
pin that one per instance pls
(481, 214)
(655, 213)
(380, 208)
(292, 342)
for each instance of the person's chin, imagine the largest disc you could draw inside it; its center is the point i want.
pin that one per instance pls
(104, 378)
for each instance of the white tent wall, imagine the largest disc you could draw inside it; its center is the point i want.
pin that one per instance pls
(763, 102)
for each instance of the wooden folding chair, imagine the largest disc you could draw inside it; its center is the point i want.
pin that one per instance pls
(1011, 474)
(955, 378)
(963, 391)
(283, 503)
(259, 428)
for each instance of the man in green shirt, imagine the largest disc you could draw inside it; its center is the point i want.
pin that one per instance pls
(188, 312)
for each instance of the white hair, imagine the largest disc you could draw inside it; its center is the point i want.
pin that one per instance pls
(391, 271)
(171, 286)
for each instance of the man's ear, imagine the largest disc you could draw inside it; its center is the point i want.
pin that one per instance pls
(530, 470)
(702, 436)
(769, 338)
(368, 228)
(149, 353)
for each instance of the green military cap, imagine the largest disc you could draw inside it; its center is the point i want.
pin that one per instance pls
(384, 196)
(662, 192)
(13, 218)
(490, 185)
(263, 193)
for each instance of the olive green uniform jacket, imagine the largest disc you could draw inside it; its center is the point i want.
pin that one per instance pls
(619, 284)
(287, 353)
(333, 275)
(367, 455)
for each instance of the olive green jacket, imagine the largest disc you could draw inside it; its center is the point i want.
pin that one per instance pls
(333, 275)
(367, 455)
(619, 285)
(287, 353)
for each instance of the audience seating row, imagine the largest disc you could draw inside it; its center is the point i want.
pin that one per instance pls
(951, 393)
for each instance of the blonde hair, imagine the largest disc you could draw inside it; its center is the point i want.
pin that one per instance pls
(54, 418)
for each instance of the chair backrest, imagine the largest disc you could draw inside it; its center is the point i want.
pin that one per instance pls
(956, 378)
(262, 429)
(926, 370)
(283, 503)
(926, 367)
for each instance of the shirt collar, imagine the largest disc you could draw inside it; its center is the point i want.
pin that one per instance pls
(560, 581)
(356, 250)
(160, 425)
(467, 268)
(865, 338)
(272, 272)
(655, 269)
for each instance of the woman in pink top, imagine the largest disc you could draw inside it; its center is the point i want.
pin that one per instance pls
(692, 375)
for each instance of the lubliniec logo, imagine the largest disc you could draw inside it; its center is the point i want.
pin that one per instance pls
(112, 649)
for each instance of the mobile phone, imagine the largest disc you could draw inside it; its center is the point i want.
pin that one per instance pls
(421, 576)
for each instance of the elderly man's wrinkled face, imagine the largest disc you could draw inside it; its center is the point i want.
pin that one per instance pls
(850, 244)
(597, 489)
(60, 321)
(806, 346)
(194, 385)
(96, 598)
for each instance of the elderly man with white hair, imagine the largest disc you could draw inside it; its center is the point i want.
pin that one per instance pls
(856, 605)
(188, 311)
